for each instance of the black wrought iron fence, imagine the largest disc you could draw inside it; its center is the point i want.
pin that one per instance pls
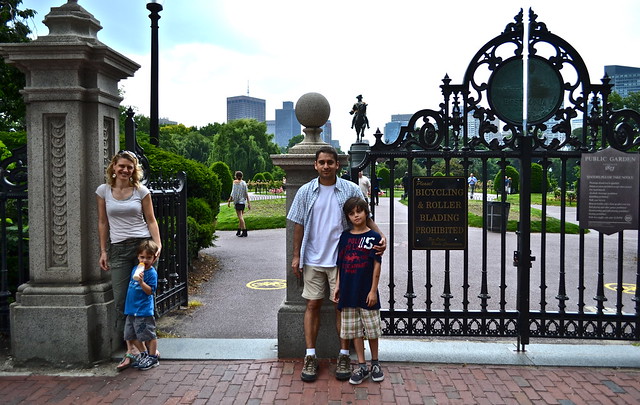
(14, 246)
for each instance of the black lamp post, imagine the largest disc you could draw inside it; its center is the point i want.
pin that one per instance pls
(155, 7)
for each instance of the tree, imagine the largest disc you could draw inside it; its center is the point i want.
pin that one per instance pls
(244, 145)
(293, 141)
(632, 101)
(226, 178)
(13, 28)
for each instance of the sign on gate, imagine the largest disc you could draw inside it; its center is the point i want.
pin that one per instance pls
(439, 213)
(609, 191)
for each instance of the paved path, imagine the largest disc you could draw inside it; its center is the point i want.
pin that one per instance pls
(278, 382)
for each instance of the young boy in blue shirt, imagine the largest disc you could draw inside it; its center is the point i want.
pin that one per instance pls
(357, 288)
(140, 324)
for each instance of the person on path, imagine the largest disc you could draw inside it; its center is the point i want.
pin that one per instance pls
(357, 289)
(365, 186)
(319, 221)
(125, 218)
(240, 197)
(472, 180)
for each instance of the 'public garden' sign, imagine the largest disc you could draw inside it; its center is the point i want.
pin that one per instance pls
(609, 191)
(439, 213)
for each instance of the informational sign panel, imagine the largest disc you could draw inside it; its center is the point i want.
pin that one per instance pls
(439, 213)
(609, 191)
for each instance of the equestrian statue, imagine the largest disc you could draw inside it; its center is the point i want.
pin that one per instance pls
(360, 120)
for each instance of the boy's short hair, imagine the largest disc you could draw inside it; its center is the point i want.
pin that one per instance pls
(148, 246)
(355, 202)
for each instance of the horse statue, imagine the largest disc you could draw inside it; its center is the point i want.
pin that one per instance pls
(360, 120)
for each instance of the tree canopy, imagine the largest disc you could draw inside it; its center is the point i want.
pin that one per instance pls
(14, 28)
(244, 145)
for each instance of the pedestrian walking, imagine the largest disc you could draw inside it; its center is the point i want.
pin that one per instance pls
(240, 197)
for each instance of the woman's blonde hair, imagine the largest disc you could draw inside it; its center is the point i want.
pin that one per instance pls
(136, 176)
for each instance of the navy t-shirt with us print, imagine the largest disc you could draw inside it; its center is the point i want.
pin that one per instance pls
(356, 256)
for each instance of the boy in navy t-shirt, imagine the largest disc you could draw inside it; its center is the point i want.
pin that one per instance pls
(357, 288)
(140, 325)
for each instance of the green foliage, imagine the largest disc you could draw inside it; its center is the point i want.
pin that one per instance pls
(244, 145)
(14, 28)
(258, 177)
(632, 101)
(278, 173)
(267, 176)
(199, 210)
(455, 168)
(293, 141)
(438, 174)
(385, 174)
(200, 226)
(4, 151)
(201, 181)
(226, 178)
(536, 179)
(498, 180)
(13, 139)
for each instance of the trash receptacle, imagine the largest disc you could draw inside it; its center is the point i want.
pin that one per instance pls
(496, 213)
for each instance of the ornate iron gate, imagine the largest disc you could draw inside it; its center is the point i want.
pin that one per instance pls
(483, 290)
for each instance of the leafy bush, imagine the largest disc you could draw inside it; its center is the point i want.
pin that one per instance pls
(536, 179)
(384, 174)
(226, 178)
(200, 225)
(258, 177)
(13, 140)
(498, 180)
(267, 176)
(201, 181)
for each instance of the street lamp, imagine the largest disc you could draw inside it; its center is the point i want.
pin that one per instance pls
(155, 7)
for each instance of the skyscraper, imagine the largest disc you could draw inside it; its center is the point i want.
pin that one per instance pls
(246, 107)
(625, 79)
(287, 125)
(392, 128)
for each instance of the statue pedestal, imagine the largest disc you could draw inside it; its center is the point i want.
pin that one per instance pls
(357, 152)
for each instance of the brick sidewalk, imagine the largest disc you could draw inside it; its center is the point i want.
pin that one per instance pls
(278, 381)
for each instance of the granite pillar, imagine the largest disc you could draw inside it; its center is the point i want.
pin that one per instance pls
(65, 313)
(312, 111)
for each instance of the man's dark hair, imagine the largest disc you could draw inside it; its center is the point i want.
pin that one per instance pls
(355, 202)
(330, 150)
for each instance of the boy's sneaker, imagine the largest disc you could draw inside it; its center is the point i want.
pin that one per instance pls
(139, 358)
(343, 367)
(376, 373)
(310, 369)
(148, 362)
(359, 375)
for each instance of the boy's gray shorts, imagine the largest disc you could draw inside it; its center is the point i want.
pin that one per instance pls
(142, 328)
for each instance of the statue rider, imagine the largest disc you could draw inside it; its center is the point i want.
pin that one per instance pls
(359, 110)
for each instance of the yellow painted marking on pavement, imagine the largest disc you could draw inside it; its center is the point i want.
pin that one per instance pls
(626, 287)
(267, 284)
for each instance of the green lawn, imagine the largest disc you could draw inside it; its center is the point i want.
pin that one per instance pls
(264, 214)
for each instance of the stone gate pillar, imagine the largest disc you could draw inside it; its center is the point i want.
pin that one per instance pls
(65, 312)
(312, 111)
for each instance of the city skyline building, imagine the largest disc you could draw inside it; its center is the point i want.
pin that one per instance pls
(625, 79)
(246, 107)
(392, 128)
(287, 125)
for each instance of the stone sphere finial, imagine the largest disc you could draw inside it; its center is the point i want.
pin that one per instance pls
(312, 110)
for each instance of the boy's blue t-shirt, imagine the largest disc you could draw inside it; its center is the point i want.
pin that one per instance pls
(138, 303)
(356, 256)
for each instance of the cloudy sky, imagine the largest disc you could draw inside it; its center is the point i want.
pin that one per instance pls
(394, 53)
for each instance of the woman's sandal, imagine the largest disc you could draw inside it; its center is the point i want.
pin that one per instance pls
(126, 362)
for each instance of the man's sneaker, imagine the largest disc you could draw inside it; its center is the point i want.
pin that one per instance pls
(148, 362)
(343, 367)
(359, 375)
(376, 373)
(310, 369)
